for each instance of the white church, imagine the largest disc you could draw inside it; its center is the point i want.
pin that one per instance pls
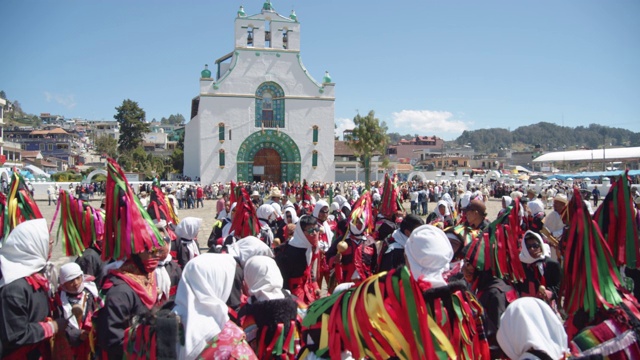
(260, 115)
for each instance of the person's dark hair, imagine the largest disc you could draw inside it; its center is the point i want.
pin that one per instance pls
(307, 220)
(410, 222)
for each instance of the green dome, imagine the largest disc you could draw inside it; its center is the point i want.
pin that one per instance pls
(293, 16)
(241, 12)
(327, 78)
(205, 74)
(267, 6)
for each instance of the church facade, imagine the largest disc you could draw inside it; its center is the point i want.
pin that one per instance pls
(260, 115)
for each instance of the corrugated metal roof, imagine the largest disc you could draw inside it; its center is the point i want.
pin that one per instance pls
(595, 154)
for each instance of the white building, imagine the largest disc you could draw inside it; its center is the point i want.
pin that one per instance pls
(261, 116)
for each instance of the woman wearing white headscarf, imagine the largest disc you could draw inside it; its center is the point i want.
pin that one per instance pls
(296, 258)
(429, 252)
(25, 292)
(200, 302)
(187, 232)
(441, 215)
(267, 216)
(270, 313)
(542, 274)
(531, 330)
(290, 215)
(506, 202)
(536, 215)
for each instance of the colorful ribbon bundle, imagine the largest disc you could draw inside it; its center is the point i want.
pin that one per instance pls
(498, 248)
(390, 203)
(245, 222)
(385, 316)
(129, 229)
(160, 208)
(304, 191)
(362, 209)
(615, 217)
(233, 197)
(20, 206)
(591, 279)
(80, 224)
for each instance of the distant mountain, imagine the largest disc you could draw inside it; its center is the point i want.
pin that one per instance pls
(549, 136)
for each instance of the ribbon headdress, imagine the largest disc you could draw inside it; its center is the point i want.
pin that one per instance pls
(591, 278)
(160, 208)
(80, 224)
(20, 206)
(129, 229)
(497, 248)
(385, 316)
(390, 203)
(615, 218)
(245, 222)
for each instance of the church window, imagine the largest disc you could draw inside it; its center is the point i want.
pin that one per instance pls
(315, 134)
(285, 38)
(221, 158)
(221, 132)
(314, 159)
(270, 106)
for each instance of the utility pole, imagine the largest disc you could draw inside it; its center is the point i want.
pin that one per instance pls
(604, 145)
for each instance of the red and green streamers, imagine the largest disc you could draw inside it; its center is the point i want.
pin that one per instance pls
(362, 209)
(20, 205)
(304, 191)
(80, 224)
(615, 217)
(390, 202)
(233, 197)
(497, 249)
(129, 228)
(160, 208)
(383, 317)
(245, 222)
(591, 278)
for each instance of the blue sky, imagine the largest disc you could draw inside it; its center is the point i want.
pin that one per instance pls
(425, 67)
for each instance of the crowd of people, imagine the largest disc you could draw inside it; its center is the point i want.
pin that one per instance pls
(323, 271)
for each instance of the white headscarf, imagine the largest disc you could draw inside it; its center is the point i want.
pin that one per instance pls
(446, 197)
(263, 278)
(226, 230)
(25, 251)
(247, 247)
(300, 241)
(201, 300)
(507, 201)
(188, 230)
(68, 272)
(399, 241)
(535, 206)
(465, 199)
(529, 323)
(294, 216)
(446, 210)
(266, 212)
(429, 253)
(327, 229)
(162, 277)
(525, 256)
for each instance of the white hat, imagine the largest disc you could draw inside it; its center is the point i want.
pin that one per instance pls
(255, 193)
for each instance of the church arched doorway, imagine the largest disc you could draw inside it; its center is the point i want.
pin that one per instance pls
(266, 166)
(278, 142)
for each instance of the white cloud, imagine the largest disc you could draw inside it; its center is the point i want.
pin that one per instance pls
(428, 121)
(67, 101)
(342, 125)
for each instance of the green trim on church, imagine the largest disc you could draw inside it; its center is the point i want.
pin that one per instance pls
(279, 141)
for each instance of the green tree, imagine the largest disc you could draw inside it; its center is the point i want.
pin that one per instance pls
(107, 145)
(3, 95)
(369, 138)
(177, 160)
(176, 119)
(132, 125)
